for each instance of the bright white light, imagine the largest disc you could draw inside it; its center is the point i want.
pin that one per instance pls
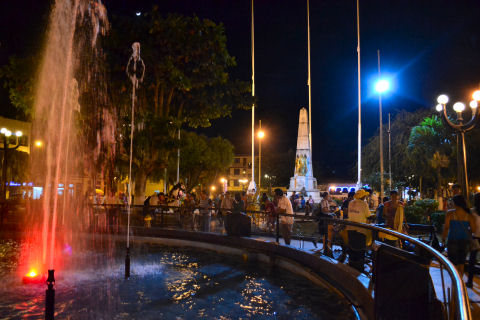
(473, 104)
(458, 107)
(261, 134)
(439, 107)
(8, 133)
(18, 133)
(138, 13)
(382, 86)
(476, 95)
(442, 99)
(3, 130)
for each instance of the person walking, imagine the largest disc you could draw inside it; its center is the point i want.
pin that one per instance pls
(345, 204)
(459, 224)
(379, 211)
(204, 205)
(286, 222)
(226, 206)
(476, 236)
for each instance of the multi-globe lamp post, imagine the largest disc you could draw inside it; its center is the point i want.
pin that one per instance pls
(460, 126)
(7, 136)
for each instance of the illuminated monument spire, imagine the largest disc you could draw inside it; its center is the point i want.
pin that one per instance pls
(303, 180)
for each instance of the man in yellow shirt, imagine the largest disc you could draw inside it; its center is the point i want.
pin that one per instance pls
(358, 210)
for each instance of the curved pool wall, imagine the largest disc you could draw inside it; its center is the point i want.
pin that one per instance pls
(321, 270)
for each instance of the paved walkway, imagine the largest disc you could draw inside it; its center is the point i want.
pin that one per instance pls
(473, 293)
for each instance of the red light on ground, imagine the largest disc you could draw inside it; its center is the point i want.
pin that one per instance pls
(32, 273)
(33, 277)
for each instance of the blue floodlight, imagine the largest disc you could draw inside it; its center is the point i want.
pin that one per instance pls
(382, 85)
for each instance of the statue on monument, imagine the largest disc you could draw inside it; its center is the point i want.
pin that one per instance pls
(301, 166)
(303, 180)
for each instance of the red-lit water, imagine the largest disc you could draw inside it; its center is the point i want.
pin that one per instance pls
(73, 121)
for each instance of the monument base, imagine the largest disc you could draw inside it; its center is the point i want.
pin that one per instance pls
(305, 184)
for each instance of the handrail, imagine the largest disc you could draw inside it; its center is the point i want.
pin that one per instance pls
(457, 282)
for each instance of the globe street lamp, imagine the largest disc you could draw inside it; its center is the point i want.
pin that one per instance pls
(460, 126)
(382, 86)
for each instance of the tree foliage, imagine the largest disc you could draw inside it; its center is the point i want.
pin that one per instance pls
(18, 77)
(401, 126)
(430, 149)
(202, 159)
(186, 84)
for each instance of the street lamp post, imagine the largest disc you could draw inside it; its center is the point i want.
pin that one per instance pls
(260, 135)
(381, 86)
(460, 126)
(389, 154)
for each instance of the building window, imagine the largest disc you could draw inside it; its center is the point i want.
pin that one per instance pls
(244, 162)
(236, 183)
(236, 160)
(236, 172)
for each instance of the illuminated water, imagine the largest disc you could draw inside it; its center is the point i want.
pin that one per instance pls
(169, 284)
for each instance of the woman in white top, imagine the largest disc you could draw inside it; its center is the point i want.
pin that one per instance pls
(473, 254)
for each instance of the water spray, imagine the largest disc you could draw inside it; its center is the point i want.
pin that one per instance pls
(50, 296)
(136, 76)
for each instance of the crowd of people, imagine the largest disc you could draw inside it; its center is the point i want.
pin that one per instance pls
(461, 232)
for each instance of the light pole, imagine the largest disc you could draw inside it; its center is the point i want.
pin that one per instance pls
(260, 135)
(359, 134)
(460, 126)
(389, 154)
(381, 86)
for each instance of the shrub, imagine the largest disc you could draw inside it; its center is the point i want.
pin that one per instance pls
(414, 214)
(438, 219)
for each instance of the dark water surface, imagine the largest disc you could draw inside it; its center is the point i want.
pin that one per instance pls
(166, 283)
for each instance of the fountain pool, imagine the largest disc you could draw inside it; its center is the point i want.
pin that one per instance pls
(167, 283)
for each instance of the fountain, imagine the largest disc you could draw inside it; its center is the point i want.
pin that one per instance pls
(77, 124)
(64, 79)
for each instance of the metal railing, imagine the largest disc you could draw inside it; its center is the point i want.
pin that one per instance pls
(305, 229)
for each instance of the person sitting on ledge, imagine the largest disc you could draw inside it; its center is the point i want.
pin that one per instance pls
(238, 223)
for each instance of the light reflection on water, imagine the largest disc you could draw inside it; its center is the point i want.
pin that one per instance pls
(169, 283)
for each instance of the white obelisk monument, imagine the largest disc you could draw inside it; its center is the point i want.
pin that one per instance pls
(303, 180)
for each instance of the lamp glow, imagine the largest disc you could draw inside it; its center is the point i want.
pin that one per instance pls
(8, 133)
(473, 104)
(32, 274)
(3, 130)
(439, 107)
(18, 133)
(222, 180)
(458, 107)
(38, 143)
(476, 95)
(261, 134)
(442, 99)
(212, 188)
(382, 86)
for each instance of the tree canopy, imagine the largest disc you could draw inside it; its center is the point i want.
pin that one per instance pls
(186, 84)
(203, 159)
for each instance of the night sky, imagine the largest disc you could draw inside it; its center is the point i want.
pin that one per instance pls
(427, 47)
